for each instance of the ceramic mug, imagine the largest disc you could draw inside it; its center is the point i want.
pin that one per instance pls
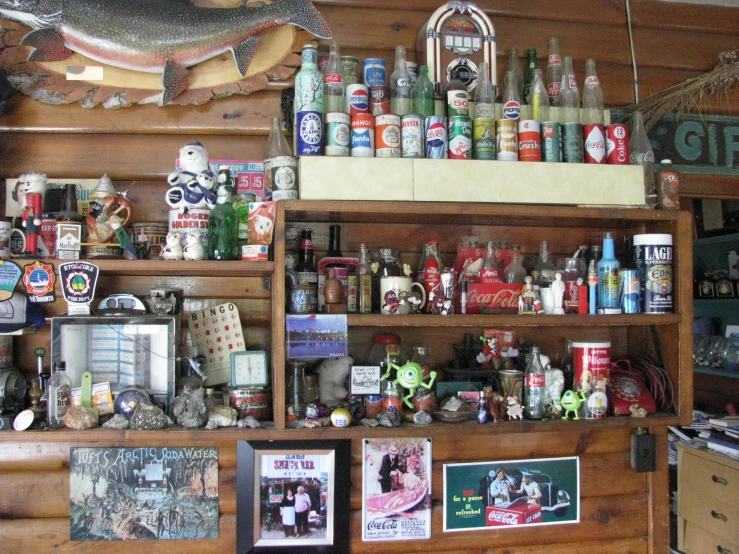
(397, 295)
(6, 231)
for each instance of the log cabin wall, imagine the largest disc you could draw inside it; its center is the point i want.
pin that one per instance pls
(621, 512)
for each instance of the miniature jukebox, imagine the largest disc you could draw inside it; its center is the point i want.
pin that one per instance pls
(453, 43)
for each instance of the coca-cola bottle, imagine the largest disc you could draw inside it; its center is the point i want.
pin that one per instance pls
(592, 117)
(400, 85)
(484, 95)
(422, 264)
(333, 81)
(569, 97)
(515, 272)
(641, 153)
(432, 274)
(511, 98)
(534, 386)
(489, 272)
(554, 72)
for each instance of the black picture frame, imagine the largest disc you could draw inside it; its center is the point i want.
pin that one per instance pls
(253, 514)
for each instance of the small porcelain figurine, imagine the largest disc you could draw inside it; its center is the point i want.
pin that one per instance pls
(514, 410)
(554, 381)
(193, 247)
(529, 302)
(172, 250)
(193, 184)
(558, 291)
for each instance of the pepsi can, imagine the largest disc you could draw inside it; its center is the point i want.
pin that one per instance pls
(373, 72)
(436, 137)
(363, 135)
(411, 136)
(628, 285)
(308, 129)
(357, 99)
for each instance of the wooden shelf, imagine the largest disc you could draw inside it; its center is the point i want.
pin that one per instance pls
(719, 239)
(182, 268)
(717, 372)
(512, 320)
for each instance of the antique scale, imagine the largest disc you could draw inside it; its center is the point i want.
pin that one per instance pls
(454, 41)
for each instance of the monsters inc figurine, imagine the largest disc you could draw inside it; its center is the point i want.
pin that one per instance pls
(409, 376)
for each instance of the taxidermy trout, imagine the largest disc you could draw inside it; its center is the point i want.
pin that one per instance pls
(156, 36)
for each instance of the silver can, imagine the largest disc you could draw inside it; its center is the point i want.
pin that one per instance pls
(412, 135)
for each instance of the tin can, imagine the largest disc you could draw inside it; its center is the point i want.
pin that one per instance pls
(551, 137)
(308, 129)
(506, 140)
(253, 401)
(413, 70)
(412, 134)
(47, 235)
(338, 134)
(529, 141)
(363, 135)
(436, 137)
(573, 148)
(379, 100)
(457, 103)
(350, 65)
(149, 237)
(594, 144)
(592, 361)
(653, 259)
(596, 403)
(483, 139)
(302, 299)
(617, 144)
(628, 288)
(357, 99)
(284, 171)
(373, 72)
(387, 136)
(460, 137)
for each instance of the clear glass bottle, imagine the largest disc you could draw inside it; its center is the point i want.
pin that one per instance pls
(592, 96)
(534, 388)
(528, 80)
(223, 228)
(420, 271)
(334, 89)
(422, 356)
(59, 390)
(280, 166)
(489, 272)
(189, 379)
(544, 265)
(514, 65)
(514, 271)
(387, 350)
(554, 72)
(569, 96)
(423, 93)
(364, 281)
(511, 97)
(608, 267)
(641, 153)
(296, 386)
(538, 98)
(391, 401)
(401, 90)
(484, 95)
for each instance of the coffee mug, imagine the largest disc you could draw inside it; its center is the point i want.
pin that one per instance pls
(6, 232)
(397, 295)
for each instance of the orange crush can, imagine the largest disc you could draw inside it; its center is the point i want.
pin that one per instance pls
(529, 141)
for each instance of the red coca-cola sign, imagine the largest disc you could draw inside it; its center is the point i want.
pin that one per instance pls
(513, 515)
(492, 297)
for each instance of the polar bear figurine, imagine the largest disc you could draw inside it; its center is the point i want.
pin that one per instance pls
(172, 250)
(193, 184)
(193, 247)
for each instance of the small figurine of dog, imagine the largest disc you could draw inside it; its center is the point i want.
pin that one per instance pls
(172, 250)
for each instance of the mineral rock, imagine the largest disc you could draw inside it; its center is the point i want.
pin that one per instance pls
(369, 422)
(422, 418)
(389, 419)
(148, 417)
(118, 421)
(189, 408)
(222, 416)
(80, 418)
(249, 422)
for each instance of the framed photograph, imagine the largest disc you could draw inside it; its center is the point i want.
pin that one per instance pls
(511, 493)
(293, 496)
(317, 336)
(365, 379)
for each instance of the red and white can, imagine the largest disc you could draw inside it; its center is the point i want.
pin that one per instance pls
(379, 100)
(617, 144)
(255, 402)
(529, 141)
(592, 360)
(387, 136)
(594, 144)
(363, 135)
(357, 99)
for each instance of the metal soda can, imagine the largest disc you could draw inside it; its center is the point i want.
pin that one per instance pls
(357, 99)
(309, 130)
(529, 141)
(506, 140)
(551, 138)
(573, 152)
(617, 144)
(338, 134)
(363, 135)
(387, 136)
(628, 289)
(594, 144)
(412, 135)
(457, 103)
(460, 137)
(483, 139)
(350, 65)
(653, 258)
(373, 72)
(379, 100)
(436, 137)
(284, 170)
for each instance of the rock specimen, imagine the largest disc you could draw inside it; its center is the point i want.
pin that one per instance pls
(148, 417)
(189, 408)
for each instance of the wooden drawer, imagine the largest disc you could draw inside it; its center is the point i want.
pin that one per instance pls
(715, 516)
(709, 479)
(700, 541)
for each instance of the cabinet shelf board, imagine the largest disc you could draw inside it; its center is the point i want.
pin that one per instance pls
(182, 268)
(720, 239)
(512, 320)
(705, 302)
(717, 371)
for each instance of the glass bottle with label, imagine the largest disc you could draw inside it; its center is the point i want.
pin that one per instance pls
(569, 96)
(641, 153)
(489, 272)
(432, 273)
(296, 401)
(364, 281)
(608, 268)
(306, 270)
(534, 387)
(334, 89)
(554, 72)
(223, 228)
(538, 98)
(511, 98)
(59, 391)
(400, 85)
(280, 166)
(668, 187)
(484, 95)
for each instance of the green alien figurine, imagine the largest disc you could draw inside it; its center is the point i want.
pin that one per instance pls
(409, 376)
(571, 402)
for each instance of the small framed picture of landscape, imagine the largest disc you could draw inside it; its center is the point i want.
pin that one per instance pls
(317, 336)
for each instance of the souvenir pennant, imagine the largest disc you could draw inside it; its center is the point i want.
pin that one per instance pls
(10, 274)
(78, 285)
(39, 280)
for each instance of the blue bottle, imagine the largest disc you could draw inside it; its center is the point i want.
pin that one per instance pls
(608, 267)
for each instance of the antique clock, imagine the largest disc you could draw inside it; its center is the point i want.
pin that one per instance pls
(249, 369)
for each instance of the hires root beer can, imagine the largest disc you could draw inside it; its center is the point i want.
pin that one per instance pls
(506, 140)
(338, 134)
(436, 137)
(573, 148)
(363, 135)
(551, 138)
(387, 136)
(309, 129)
(357, 99)
(460, 137)
(379, 100)
(529, 141)
(617, 144)
(373, 72)
(411, 135)
(594, 144)
(483, 139)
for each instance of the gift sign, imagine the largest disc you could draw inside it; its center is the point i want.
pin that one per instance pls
(217, 332)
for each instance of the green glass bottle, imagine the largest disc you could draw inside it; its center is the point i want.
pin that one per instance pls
(423, 93)
(223, 228)
(528, 79)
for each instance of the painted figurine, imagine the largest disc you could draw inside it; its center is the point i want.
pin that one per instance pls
(409, 376)
(193, 249)
(529, 302)
(571, 402)
(193, 184)
(514, 409)
(172, 249)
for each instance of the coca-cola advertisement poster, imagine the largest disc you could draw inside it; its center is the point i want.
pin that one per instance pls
(396, 492)
(511, 493)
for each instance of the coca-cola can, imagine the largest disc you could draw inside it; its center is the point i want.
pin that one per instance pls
(387, 136)
(363, 135)
(617, 144)
(357, 99)
(436, 137)
(594, 143)
(506, 140)
(551, 138)
(379, 100)
(529, 141)
(412, 134)
(460, 137)
(573, 148)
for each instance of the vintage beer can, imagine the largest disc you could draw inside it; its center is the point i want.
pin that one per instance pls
(338, 134)
(460, 137)
(412, 135)
(373, 72)
(350, 66)
(628, 291)
(457, 103)
(436, 137)
(363, 135)
(653, 259)
(529, 141)
(309, 128)
(483, 139)
(506, 139)
(379, 100)
(617, 144)
(387, 136)
(594, 144)
(573, 152)
(551, 139)
(357, 99)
